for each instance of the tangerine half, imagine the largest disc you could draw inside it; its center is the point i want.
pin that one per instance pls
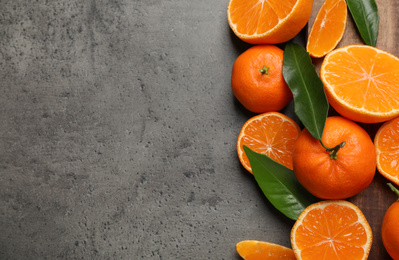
(268, 21)
(361, 83)
(273, 134)
(331, 229)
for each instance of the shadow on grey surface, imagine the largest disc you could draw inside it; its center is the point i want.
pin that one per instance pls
(239, 45)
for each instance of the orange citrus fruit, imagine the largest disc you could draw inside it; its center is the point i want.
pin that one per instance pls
(331, 229)
(347, 168)
(268, 22)
(389, 229)
(257, 79)
(362, 83)
(328, 28)
(258, 250)
(273, 134)
(386, 142)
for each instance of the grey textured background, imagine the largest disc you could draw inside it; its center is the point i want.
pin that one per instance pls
(118, 131)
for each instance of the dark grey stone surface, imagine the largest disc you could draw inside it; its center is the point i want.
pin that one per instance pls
(118, 132)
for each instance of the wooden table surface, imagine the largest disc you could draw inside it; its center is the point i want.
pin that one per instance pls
(375, 200)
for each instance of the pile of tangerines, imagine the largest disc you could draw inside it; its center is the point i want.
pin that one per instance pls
(361, 84)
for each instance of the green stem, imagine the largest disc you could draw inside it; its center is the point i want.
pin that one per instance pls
(393, 189)
(264, 70)
(333, 151)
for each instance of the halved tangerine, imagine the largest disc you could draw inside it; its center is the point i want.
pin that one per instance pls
(386, 142)
(331, 229)
(362, 83)
(268, 21)
(271, 133)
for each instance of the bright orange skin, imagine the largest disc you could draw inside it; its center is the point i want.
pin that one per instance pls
(347, 175)
(390, 232)
(256, 91)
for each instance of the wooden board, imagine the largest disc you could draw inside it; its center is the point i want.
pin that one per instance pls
(376, 199)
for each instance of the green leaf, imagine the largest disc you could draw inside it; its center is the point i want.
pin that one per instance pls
(395, 190)
(311, 105)
(365, 15)
(279, 185)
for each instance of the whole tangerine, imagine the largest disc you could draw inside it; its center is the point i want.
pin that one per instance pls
(339, 166)
(389, 229)
(257, 79)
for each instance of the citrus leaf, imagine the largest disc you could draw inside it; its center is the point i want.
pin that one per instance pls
(279, 185)
(310, 101)
(395, 190)
(365, 15)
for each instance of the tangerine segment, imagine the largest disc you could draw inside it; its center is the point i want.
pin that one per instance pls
(268, 21)
(271, 133)
(328, 28)
(387, 147)
(362, 83)
(257, 250)
(331, 229)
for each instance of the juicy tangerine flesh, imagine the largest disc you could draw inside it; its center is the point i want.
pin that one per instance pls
(262, 15)
(258, 250)
(387, 147)
(333, 231)
(271, 133)
(362, 80)
(328, 28)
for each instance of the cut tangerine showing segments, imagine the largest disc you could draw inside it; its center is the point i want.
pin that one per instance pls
(331, 229)
(328, 28)
(257, 250)
(361, 83)
(268, 21)
(386, 142)
(271, 133)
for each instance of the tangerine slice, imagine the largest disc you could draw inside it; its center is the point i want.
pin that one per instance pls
(271, 133)
(386, 142)
(328, 28)
(331, 229)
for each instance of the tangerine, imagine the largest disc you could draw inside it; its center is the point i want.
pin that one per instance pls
(268, 21)
(257, 79)
(389, 229)
(361, 83)
(273, 134)
(331, 229)
(339, 166)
